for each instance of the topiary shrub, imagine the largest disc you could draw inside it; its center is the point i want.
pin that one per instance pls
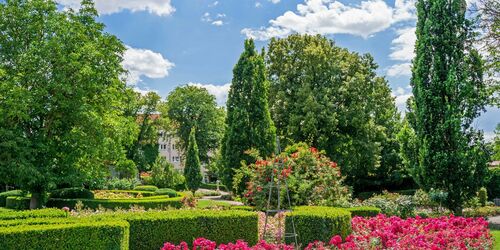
(146, 188)
(93, 235)
(18, 203)
(166, 191)
(72, 193)
(4, 195)
(147, 203)
(483, 196)
(39, 213)
(364, 211)
(317, 224)
(150, 230)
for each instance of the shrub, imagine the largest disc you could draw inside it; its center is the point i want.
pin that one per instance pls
(19, 203)
(72, 193)
(150, 230)
(121, 184)
(146, 188)
(147, 203)
(121, 194)
(317, 223)
(493, 183)
(486, 211)
(4, 195)
(166, 191)
(85, 235)
(364, 211)
(392, 204)
(483, 196)
(40, 213)
(313, 179)
(164, 175)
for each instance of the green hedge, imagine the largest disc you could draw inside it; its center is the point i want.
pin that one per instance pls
(72, 193)
(166, 191)
(150, 230)
(40, 213)
(317, 223)
(213, 186)
(133, 192)
(364, 211)
(4, 195)
(146, 188)
(92, 235)
(18, 203)
(147, 203)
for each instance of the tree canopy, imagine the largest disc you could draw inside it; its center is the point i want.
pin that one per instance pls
(192, 167)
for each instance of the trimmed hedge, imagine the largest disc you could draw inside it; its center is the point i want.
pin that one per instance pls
(364, 211)
(133, 192)
(18, 203)
(4, 195)
(213, 186)
(150, 230)
(90, 235)
(72, 193)
(166, 191)
(317, 224)
(147, 203)
(40, 213)
(146, 188)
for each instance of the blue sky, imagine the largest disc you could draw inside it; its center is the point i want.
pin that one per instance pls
(177, 42)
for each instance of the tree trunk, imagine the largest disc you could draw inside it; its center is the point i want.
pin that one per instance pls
(36, 200)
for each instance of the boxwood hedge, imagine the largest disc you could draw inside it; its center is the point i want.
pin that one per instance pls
(72, 193)
(146, 188)
(40, 213)
(317, 223)
(4, 195)
(133, 192)
(18, 202)
(150, 230)
(364, 211)
(90, 235)
(147, 203)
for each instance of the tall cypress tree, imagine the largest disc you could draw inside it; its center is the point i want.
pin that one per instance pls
(248, 120)
(192, 168)
(449, 94)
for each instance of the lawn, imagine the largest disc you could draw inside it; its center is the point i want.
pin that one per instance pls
(496, 239)
(211, 203)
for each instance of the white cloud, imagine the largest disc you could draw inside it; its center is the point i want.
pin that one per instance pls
(213, 4)
(403, 69)
(258, 5)
(104, 7)
(401, 95)
(143, 62)
(219, 91)
(334, 17)
(144, 92)
(275, 1)
(217, 21)
(404, 44)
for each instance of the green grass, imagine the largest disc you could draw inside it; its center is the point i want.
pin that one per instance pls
(496, 239)
(210, 203)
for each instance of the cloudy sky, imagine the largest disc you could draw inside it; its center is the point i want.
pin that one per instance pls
(178, 42)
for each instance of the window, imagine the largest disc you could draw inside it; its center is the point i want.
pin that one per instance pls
(177, 159)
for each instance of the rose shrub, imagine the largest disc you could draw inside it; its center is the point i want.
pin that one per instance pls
(312, 178)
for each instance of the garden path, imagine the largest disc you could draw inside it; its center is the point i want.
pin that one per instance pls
(494, 222)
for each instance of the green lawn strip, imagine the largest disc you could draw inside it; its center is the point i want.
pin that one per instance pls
(496, 239)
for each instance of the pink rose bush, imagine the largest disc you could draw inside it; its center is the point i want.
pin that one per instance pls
(382, 232)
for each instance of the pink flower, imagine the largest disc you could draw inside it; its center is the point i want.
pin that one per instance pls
(336, 240)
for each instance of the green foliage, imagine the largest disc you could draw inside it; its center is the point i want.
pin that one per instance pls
(364, 211)
(392, 204)
(449, 93)
(213, 186)
(332, 99)
(318, 224)
(166, 191)
(493, 183)
(312, 178)
(67, 70)
(248, 121)
(133, 192)
(84, 235)
(18, 202)
(121, 184)
(192, 106)
(146, 188)
(482, 194)
(164, 175)
(496, 144)
(192, 167)
(150, 230)
(38, 213)
(487, 211)
(147, 203)
(72, 193)
(4, 195)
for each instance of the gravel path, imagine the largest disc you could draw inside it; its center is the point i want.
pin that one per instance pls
(494, 222)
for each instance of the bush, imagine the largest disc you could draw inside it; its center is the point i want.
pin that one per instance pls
(493, 183)
(213, 186)
(4, 195)
(121, 184)
(18, 203)
(72, 193)
(317, 223)
(364, 211)
(482, 211)
(164, 175)
(150, 230)
(483, 196)
(166, 191)
(113, 194)
(84, 235)
(146, 188)
(392, 204)
(40, 213)
(147, 203)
